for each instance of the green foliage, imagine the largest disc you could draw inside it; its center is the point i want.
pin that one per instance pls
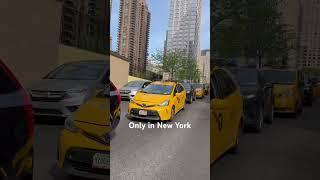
(178, 65)
(251, 29)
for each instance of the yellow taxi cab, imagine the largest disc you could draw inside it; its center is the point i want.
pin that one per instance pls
(200, 91)
(84, 144)
(158, 101)
(226, 113)
(288, 89)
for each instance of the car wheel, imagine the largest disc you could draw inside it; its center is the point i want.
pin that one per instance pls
(172, 113)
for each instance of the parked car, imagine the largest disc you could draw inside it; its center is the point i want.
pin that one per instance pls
(129, 90)
(158, 101)
(288, 87)
(257, 96)
(226, 113)
(63, 90)
(84, 144)
(17, 128)
(199, 90)
(191, 93)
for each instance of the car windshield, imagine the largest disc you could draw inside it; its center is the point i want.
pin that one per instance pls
(245, 76)
(198, 85)
(158, 89)
(281, 77)
(134, 84)
(187, 86)
(78, 71)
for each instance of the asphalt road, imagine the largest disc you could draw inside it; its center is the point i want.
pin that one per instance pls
(163, 154)
(45, 150)
(288, 149)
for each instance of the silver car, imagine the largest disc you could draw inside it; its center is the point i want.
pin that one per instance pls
(129, 90)
(67, 87)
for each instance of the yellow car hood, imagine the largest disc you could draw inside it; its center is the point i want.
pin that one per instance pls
(150, 98)
(94, 116)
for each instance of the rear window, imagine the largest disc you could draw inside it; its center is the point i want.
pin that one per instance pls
(187, 86)
(7, 85)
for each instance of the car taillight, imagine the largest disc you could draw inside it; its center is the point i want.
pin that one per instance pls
(27, 107)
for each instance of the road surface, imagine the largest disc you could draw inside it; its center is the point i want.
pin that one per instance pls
(163, 154)
(288, 149)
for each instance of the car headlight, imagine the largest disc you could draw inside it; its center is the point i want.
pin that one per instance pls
(164, 103)
(134, 92)
(76, 93)
(70, 125)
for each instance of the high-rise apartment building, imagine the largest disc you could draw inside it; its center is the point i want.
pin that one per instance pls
(85, 25)
(310, 34)
(184, 27)
(133, 37)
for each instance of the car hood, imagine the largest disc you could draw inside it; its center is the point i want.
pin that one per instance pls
(60, 85)
(94, 116)
(150, 98)
(129, 88)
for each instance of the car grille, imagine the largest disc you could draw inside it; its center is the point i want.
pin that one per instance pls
(150, 113)
(124, 91)
(81, 160)
(47, 96)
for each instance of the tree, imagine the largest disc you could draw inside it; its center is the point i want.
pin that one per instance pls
(254, 31)
(178, 65)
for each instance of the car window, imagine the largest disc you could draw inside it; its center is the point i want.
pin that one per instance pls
(180, 88)
(78, 71)
(225, 83)
(158, 89)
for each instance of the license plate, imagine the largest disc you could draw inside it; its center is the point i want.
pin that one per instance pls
(101, 161)
(143, 112)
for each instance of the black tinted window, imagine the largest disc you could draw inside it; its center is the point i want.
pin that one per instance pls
(225, 83)
(245, 76)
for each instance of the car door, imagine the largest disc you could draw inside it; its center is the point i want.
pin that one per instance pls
(220, 116)
(176, 98)
(179, 96)
(232, 106)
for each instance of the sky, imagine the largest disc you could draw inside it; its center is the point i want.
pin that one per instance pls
(159, 10)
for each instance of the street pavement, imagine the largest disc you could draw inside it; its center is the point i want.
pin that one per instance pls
(287, 149)
(163, 154)
(139, 154)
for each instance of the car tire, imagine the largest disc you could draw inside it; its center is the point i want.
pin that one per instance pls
(172, 113)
